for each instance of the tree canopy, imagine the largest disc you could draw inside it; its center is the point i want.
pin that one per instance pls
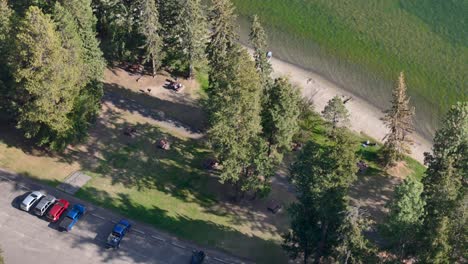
(445, 185)
(322, 175)
(399, 120)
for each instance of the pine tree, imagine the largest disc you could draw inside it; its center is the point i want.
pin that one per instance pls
(236, 127)
(280, 114)
(86, 27)
(336, 113)
(352, 246)
(71, 41)
(322, 175)
(87, 104)
(116, 27)
(258, 39)
(5, 41)
(399, 120)
(193, 33)
(222, 45)
(46, 83)
(405, 217)
(149, 28)
(5, 25)
(445, 187)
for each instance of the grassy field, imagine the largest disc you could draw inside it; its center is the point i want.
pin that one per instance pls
(170, 189)
(425, 38)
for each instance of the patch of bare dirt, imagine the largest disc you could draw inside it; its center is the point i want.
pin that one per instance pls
(400, 170)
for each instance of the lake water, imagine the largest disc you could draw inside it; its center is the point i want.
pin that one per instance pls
(351, 77)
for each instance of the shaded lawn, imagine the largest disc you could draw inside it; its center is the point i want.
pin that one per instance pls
(168, 189)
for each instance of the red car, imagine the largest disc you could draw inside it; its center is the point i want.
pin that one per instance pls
(57, 210)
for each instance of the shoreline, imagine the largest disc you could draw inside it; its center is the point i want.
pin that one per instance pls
(364, 117)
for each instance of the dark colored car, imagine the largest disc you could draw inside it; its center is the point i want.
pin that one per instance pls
(57, 210)
(118, 233)
(72, 217)
(197, 257)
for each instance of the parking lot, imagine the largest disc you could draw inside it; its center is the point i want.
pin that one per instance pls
(26, 238)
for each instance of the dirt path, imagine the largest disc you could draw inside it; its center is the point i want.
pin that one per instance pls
(364, 117)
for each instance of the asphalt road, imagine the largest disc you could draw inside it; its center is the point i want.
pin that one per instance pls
(26, 238)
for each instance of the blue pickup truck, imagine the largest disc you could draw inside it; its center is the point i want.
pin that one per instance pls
(72, 217)
(118, 233)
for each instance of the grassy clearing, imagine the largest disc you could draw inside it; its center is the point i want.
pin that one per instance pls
(425, 38)
(169, 189)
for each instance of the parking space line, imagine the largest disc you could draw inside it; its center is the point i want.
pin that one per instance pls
(98, 216)
(158, 238)
(23, 187)
(138, 231)
(114, 222)
(220, 260)
(177, 245)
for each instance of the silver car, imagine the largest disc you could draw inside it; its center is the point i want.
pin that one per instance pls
(30, 200)
(45, 203)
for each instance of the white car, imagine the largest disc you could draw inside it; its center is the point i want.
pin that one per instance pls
(45, 203)
(30, 200)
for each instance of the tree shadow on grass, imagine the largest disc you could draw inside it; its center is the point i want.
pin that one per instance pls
(136, 161)
(206, 232)
(176, 111)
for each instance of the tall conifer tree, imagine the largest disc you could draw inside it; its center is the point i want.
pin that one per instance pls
(236, 126)
(322, 176)
(258, 39)
(222, 45)
(46, 81)
(405, 217)
(445, 186)
(280, 114)
(82, 12)
(399, 120)
(193, 33)
(149, 28)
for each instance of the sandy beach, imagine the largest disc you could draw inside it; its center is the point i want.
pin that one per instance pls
(364, 117)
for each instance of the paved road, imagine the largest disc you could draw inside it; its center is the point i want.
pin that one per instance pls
(26, 238)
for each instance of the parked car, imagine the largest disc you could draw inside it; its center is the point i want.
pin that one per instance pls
(197, 257)
(118, 233)
(57, 210)
(44, 204)
(72, 217)
(30, 200)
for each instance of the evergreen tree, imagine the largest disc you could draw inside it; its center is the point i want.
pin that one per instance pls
(445, 185)
(222, 45)
(335, 112)
(46, 81)
(184, 32)
(399, 120)
(5, 38)
(352, 246)
(82, 12)
(258, 39)
(115, 24)
(235, 129)
(405, 217)
(280, 114)
(193, 33)
(5, 26)
(87, 104)
(322, 175)
(149, 27)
